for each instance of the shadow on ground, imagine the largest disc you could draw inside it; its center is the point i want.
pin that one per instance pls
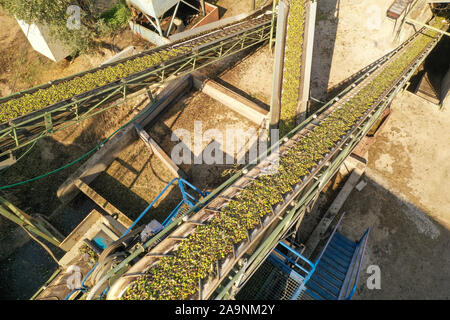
(327, 19)
(408, 245)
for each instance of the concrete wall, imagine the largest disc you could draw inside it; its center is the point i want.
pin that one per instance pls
(40, 40)
(445, 91)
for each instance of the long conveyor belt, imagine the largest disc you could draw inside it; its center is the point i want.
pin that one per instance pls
(308, 158)
(40, 111)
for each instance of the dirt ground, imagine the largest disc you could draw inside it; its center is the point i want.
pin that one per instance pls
(137, 176)
(411, 156)
(22, 67)
(232, 7)
(405, 203)
(253, 76)
(410, 247)
(350, 35)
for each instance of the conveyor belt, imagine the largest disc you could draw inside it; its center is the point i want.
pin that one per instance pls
(247, 255)
(178, 58)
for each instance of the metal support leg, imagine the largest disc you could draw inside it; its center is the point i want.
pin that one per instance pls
(202, 2)
(19, 217)
(175, 11)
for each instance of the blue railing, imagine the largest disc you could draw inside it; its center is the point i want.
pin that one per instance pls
(329, 240)
(351, 279)
(302, 274)
(188, 199)
(284, 260)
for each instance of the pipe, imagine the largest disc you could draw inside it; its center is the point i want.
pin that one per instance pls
(148, 208)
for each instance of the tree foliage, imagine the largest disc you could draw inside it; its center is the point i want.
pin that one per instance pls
(54, 15)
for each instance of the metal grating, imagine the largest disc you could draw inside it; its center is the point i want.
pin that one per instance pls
(272, 282)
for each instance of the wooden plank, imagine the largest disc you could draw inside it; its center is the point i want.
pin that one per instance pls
(234, 101)
(8, 162)
(363, 146)
(106, 155)
(103, 203)
(159, 152)
(332, 212)
(170, 94)
(426, 89)
(79, 232)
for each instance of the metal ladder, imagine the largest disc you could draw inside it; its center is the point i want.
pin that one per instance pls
(337, 269)
(288, 275)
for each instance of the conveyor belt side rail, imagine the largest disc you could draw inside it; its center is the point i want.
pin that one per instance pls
(275, 226)
(242, 274)
(26, 129)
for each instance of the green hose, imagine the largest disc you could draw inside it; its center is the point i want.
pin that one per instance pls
(75, 161)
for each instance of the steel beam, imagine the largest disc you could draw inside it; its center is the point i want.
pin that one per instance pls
(14, 214)
(277, 83)
(412, 21)
(305, 75)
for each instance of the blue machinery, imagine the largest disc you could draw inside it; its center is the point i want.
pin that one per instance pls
(188, 201)
(288, 275)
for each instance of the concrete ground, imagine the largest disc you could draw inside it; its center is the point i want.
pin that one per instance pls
(252, 77)
(350, 35)
(406, 204)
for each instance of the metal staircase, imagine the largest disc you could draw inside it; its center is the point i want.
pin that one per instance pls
(288, 275)
(337, 271)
